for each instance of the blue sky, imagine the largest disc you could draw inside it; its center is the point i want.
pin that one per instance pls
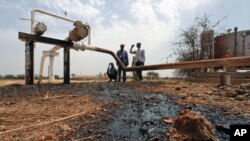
(154, 23)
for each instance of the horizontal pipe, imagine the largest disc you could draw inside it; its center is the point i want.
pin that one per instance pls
(227, 62)
(51, 14)
(33, 17)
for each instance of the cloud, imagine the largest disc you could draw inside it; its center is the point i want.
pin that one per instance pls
(12, 52)
(143, 12)
(154, 23)
(76, 8)
(13, 5)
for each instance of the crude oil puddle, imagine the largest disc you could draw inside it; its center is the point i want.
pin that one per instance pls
(141, 119)
(138, 115)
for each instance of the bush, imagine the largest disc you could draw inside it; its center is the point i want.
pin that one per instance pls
(20, 76)
(56, 76)
(9, 76)
(153, 75)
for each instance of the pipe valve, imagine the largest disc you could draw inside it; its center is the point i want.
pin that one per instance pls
(40, 28)
(79, 32)
(79, 46)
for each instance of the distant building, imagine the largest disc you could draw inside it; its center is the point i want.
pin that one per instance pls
(226, 43)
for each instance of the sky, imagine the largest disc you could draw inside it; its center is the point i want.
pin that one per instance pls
(154, 23)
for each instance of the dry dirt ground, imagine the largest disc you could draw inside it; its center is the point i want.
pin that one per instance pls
(98, 110)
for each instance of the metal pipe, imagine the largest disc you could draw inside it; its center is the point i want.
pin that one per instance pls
(51, 66)
(212, 49)
(97, 49)
(89, 36)
(41, 69)
(33, 12)
(228, 62)
(235, 41)
(55, 48)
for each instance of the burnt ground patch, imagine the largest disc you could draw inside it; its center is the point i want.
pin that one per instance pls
(137, 115)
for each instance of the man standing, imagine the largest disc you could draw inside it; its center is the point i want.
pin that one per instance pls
(139, 58)
(123, 55)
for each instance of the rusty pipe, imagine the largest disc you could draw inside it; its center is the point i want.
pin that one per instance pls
(117, 59)
(228, 62)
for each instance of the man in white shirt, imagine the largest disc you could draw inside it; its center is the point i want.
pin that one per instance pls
(139, 58)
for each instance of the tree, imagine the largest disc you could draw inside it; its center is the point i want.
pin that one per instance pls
(100, 74)
(9, 76)
(20, 76)
(188, 46)
(152, 74)
(56, 76)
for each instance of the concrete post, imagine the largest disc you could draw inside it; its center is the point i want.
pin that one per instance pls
(29, 63)
(66, 65)
(225, 79)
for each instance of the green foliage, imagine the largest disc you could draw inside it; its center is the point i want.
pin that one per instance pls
(153, 74)
(100, 74)
(56, 76)
(9, 76)
(20, 76)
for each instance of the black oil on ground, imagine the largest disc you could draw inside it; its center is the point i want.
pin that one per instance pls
(138, 114)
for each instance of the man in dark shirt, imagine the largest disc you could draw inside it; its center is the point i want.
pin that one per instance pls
(123, 55)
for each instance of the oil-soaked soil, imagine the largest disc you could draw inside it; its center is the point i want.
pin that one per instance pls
(139, 115)
(114, 111)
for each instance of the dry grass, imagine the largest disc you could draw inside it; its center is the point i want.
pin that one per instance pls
(6, 82)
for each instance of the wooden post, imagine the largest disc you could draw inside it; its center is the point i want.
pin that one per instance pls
(29, 63)
(66, 61)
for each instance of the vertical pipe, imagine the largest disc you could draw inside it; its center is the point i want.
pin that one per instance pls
(89, 36)
(32, 21)
(202, 46)
(212, 42)
(243, 44)
(235, 41)
(212, 48)
(48, 72)
(66, 68)
(202, 55)
(51, 65)
(29, 63)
